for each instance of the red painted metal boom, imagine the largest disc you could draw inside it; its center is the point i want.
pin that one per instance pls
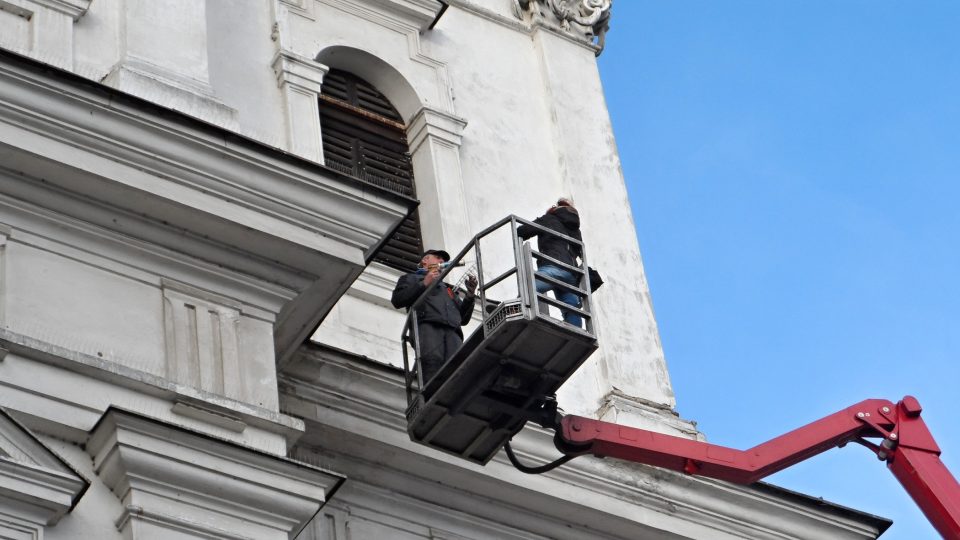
(906, 445)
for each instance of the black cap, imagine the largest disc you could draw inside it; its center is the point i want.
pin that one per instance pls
(439, 253)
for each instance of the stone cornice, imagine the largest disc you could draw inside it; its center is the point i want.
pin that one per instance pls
(490, 15)
(291, 68)
(72, 8)
(214, 173)
(195, 403)
(418, 14)
(233, 491)
(361, 404)
(430, 122)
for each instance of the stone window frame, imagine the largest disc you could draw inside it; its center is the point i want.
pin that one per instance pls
(433, 134)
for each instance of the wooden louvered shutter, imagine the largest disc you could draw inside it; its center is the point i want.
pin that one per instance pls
(364, 136)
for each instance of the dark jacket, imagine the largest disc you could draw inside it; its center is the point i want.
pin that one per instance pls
(442, 306)
(564, 221)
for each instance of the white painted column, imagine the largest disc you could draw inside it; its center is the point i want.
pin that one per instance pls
(164, 58)
(626, 380)
(301, 81)
(435, 139)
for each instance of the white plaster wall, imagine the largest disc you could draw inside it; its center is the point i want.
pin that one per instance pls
(508, 156)
(630, 358)
(536, 128)
(16, 31)
(56, 299)
(71, 296)
(98, 500)
(241, 51)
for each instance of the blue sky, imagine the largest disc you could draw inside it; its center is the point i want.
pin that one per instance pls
(794, 170)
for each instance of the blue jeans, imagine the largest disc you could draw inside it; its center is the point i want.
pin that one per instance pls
(563, 295)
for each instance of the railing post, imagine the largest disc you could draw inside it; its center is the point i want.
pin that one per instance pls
(525, 267)
(416, 351)
(480, 289)
(522, 278)
(587, 303)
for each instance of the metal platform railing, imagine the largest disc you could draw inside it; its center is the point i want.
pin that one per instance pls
(522, 339)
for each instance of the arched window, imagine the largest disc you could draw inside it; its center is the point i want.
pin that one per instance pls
(364, 136)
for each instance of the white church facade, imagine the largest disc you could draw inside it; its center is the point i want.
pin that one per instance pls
(204, 208)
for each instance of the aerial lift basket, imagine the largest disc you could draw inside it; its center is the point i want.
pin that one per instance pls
(512, 364)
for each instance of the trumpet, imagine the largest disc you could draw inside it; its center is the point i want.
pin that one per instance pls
(437, 267)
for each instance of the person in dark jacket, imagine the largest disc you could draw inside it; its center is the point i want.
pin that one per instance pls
(563, 218)
(441, 314)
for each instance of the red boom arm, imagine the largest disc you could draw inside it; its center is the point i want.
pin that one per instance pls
(907, 446)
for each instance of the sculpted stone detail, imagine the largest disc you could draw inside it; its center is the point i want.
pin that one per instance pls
(589, 19)
(203, 343)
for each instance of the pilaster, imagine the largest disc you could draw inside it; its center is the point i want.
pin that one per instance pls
(435, 137)
(627, 377)
(163, 58)
(301, 81)
(42, 29)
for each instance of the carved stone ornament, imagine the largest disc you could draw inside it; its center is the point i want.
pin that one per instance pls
(589, 19)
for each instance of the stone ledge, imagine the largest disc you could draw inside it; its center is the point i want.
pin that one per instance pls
(204, 406)
(419, 14)
(354, 418)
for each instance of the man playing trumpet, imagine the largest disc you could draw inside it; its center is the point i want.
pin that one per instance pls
(440, 315)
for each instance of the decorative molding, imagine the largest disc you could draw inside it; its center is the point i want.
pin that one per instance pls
(486, 13)
(628, 410)
(303, 8)
(134, 515)
(301, 81)
(194, 97)
(354, 414)
(75, 9)
(292, 69)
(363, 503)
(207, 414)
(5, 232)
(46, 29)
(204, 406)
(375, 285)
(585, 19)
(435, 137)
(14, 527)
(418, 14)
(34, 477)
(203, 340)
(90, 243)
(430, 122)
(376, 13)
(169, 478)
